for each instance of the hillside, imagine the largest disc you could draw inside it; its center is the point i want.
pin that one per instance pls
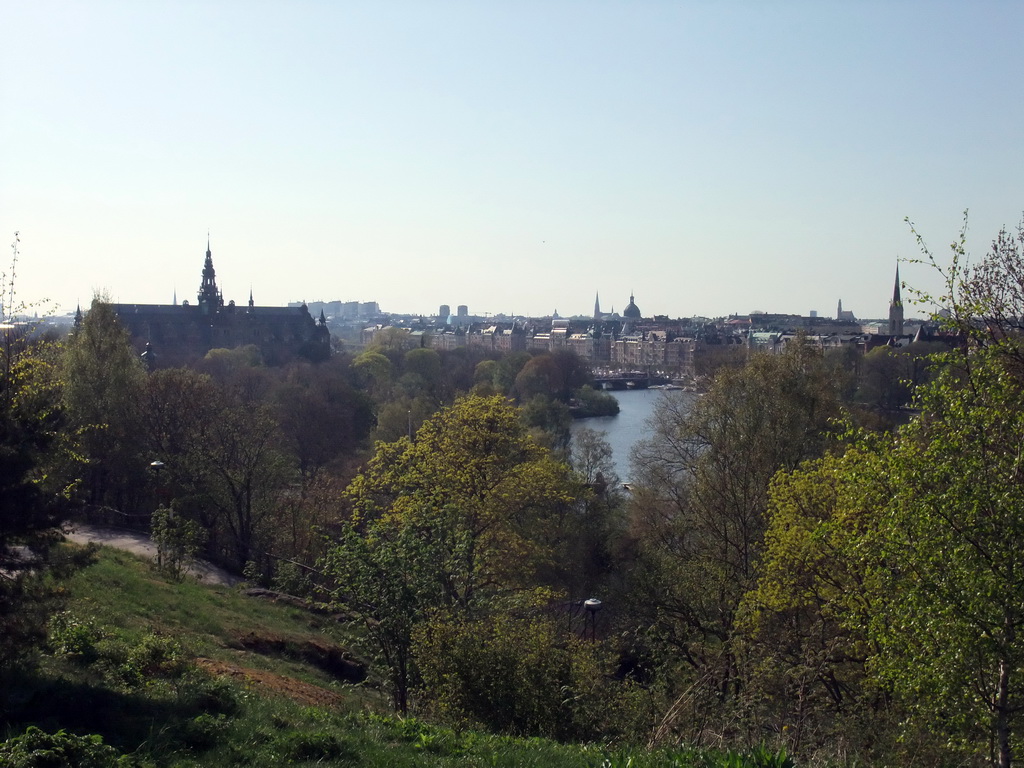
(177, 673)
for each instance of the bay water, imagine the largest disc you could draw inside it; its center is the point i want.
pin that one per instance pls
(630, 425)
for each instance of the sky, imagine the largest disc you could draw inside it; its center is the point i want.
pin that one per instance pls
(517, 157)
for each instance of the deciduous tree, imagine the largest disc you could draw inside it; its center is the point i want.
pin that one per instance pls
(701, 494)
(469, 508)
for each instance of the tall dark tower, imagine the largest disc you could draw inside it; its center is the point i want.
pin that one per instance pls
(597, 307)
(896, 308)
(210, 299)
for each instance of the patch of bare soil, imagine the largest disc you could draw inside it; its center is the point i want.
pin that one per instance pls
(261, 680)
(332, 659)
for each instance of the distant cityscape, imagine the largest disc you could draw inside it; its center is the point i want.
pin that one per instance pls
(175, 333)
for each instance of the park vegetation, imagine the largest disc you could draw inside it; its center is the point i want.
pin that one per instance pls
(816, 561)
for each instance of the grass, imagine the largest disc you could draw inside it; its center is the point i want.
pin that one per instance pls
(121, 664)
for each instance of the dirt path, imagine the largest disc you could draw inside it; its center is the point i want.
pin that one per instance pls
(140, 544)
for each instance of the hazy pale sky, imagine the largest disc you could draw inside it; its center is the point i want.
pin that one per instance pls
(712, 157)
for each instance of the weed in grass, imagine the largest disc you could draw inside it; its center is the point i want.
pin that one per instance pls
(72, 636)
(318, 746)
(203, 731)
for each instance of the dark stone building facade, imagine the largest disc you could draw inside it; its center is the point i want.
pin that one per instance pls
(173, 334)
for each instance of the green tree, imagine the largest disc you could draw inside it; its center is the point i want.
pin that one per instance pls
(245, 472)
(103, 384)
(595, 402)
(701, 494)
(949, 613)
(483, 377)
(470, 508)
(34, 445)
(549, 421)
(321, 416)
(32, 499)
(803, 626)
(423, 369)
(507, 369)
(177, 540)
(374, 371)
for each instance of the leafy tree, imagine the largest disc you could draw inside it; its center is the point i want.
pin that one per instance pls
(470, 508)
(391, 339)
(104, 379)
(425, 366)
(34, 445)
(589, 561)
(804, 624)
(402, 416)
(591, 456)
(949, 613)
(177, 540)
(903, 555)
(595, 402)
(549, 421)
(539, 377)
(507, 369)
(554, 374)
(244, 473)
(890, 376)
(983, 302)
(321, 416)
(374, 371)
(240, 373)
(32, 500)
(701, 495)
(483, 377)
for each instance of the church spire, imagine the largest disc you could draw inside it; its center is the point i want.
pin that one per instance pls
(209, 297)
(896, 308)
(597, 306)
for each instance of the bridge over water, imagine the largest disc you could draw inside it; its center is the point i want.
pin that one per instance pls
(629, 380)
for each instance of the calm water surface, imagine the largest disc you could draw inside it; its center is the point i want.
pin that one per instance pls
(629, 427)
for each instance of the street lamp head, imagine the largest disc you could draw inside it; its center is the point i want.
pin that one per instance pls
(156, 465)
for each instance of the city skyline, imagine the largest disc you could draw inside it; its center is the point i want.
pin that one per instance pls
(712, 158)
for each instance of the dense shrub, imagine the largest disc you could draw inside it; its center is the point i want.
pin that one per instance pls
(37, 749)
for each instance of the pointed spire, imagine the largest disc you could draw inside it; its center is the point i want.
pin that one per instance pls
(251, 303)
(209, 297)
(597, 306)
(896, 308)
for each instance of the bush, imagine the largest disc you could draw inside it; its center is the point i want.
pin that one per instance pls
(69, 635)
(595, 402)
(525, 676)
(37, 749)
(132, 665)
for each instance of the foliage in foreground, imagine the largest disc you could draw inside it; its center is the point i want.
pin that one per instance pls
(118, 688)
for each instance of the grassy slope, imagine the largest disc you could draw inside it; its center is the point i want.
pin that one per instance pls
(131, 677)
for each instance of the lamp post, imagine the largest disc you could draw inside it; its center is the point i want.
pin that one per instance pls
(592, 606)
(157, 467)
